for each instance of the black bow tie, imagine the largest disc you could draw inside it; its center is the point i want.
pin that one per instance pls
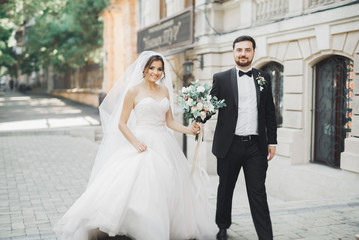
(249, 73)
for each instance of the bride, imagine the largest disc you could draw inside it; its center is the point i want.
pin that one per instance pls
(140, 186)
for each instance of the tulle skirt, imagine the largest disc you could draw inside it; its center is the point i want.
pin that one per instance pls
(145, 196)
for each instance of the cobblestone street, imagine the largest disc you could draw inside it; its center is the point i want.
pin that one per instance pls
(44, 168)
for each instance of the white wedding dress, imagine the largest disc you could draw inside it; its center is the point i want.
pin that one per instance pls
(145, 196)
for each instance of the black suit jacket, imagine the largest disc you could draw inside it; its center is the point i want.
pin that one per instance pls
(225, 87)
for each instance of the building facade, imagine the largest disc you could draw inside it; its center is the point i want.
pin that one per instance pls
(120, 20)
(309, 47)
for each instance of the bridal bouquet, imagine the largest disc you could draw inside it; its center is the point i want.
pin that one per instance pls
(198, 104)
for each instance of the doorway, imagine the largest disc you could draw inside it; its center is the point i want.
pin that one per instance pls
(332, 108)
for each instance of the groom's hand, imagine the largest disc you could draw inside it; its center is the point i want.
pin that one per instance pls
(271, 152)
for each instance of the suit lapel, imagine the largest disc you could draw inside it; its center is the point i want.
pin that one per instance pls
(258, 92)
(234, 85)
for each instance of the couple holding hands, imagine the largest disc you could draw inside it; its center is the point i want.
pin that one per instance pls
(141, 187)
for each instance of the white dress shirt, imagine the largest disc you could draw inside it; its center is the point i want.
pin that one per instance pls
(247, 121)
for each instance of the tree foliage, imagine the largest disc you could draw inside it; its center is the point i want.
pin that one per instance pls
(7, 56)
(61, 33)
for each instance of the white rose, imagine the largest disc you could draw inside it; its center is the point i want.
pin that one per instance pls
(189, 101)
(199, 106)
(200, 89)
(209, 97)
(203, 115)
(211, 108)
(193, 109)
(184, 90)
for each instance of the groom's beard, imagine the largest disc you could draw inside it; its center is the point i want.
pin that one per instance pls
(245, 63)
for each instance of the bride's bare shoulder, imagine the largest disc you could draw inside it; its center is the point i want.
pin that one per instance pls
(133, 91)
(164, 89)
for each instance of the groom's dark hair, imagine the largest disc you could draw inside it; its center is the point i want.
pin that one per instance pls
(244, 38)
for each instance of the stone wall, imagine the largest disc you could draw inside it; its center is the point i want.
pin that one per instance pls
(82, 96)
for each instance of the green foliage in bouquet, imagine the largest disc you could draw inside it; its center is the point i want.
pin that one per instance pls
(197, 103)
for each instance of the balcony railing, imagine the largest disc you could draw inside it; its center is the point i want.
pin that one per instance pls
(318, 3)
(268, 10)
(271, 9)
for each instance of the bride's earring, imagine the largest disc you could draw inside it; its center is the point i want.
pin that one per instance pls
(143, 75)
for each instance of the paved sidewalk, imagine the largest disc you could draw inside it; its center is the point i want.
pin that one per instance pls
(326, 216)
(19, 112)
(43, 174)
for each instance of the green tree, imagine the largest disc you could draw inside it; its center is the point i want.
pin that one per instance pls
(64, 34)
(7, 55)
(66, 38)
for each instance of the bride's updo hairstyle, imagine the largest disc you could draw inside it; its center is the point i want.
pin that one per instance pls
(150, 61)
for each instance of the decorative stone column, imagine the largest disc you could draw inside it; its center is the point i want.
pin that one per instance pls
(293, 107)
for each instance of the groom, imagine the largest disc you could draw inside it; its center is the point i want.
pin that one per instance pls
(245, 137)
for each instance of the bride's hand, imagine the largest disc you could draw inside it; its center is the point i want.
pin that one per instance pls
(195, 128)
(140, 146)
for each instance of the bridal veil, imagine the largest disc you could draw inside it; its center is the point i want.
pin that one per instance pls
(111, 108)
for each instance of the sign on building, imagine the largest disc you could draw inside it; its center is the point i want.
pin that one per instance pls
(168, 33)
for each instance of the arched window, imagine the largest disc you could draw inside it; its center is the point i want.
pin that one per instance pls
(275, 70)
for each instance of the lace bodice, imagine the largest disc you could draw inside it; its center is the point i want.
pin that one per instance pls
(151, 112)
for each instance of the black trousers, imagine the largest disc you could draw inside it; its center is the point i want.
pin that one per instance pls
(244, 154)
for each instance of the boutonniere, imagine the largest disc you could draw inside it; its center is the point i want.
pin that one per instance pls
(261, 81)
